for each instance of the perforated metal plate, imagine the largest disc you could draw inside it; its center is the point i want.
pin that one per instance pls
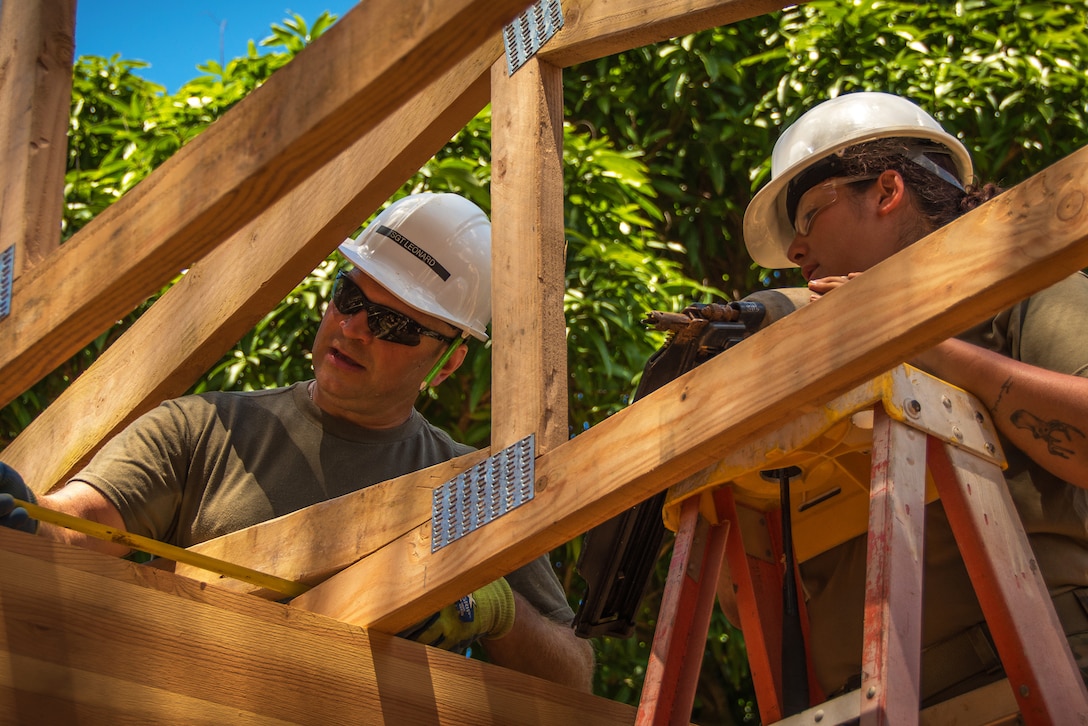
(497, 485)
(529, 31)
(7, 275)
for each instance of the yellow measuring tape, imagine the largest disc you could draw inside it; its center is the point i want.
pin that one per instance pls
(161, 549)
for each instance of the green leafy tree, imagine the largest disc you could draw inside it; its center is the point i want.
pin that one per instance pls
(1007, 77)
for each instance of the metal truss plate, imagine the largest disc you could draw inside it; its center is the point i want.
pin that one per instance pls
(7, 276)
(497, 485)
(529, 31)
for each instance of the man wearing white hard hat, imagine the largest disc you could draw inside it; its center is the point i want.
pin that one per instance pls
(202, 466)
(853, 181)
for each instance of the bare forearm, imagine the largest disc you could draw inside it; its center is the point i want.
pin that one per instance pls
(83, 501)
(540, 647)
(1042, 413)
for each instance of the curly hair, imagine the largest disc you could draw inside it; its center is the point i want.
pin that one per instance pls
(938, 201)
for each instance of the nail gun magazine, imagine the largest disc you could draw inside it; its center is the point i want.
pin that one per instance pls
(618, 556)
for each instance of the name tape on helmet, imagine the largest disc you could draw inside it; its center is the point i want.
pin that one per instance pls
(418, 252)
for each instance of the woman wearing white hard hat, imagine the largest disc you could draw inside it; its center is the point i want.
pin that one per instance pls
(853, 181)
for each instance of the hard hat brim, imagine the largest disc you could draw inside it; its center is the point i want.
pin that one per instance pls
(402, 289)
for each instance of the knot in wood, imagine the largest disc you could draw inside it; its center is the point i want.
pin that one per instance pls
(1070, 205)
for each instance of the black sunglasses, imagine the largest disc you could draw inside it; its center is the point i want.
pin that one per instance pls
(385, 323)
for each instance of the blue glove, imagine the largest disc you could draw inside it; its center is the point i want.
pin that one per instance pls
(486, 613)
(12, 487)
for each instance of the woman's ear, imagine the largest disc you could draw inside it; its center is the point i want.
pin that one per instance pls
(891, 191)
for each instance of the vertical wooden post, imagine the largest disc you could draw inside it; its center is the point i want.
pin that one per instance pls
(529, 355)
(37, 42)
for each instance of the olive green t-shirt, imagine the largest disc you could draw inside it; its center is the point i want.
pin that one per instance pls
(1048, 330)
(199, 467)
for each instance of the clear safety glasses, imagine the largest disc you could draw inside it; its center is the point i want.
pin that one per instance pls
(385, 323)
(818, 198)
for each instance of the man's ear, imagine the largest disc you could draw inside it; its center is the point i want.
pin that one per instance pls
(457, 357)
(891, 191)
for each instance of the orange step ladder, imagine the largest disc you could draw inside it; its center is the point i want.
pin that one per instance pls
(868, 461)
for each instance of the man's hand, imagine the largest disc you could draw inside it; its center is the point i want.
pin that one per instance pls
(13, 487)
(487, 613)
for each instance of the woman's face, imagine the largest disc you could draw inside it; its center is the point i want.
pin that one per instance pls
(845, 225)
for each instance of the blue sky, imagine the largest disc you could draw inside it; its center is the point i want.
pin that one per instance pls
(175, 36)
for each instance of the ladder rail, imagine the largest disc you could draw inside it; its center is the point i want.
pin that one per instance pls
(891, 669)
(672, 674)
(1023, 623)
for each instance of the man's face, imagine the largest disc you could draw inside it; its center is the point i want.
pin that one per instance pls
(366, 380)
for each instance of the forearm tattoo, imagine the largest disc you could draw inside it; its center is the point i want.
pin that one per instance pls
(1058, 435)
(1001, 394)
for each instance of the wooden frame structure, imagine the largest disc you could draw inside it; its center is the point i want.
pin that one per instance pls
(323, 144)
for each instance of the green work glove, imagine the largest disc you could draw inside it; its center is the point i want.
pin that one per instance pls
(487, 613)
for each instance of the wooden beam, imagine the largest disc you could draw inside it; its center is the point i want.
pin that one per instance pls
(528, 257)
(227, 292)
(374, 59)
(1032, 236)
(37, 42)
(87, 637)
(339, 532)
(597, 28)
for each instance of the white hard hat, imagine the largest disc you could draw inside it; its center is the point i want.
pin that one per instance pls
(820, 132)
(433, 252)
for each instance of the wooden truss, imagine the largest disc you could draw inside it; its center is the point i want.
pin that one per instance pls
(278, 182)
